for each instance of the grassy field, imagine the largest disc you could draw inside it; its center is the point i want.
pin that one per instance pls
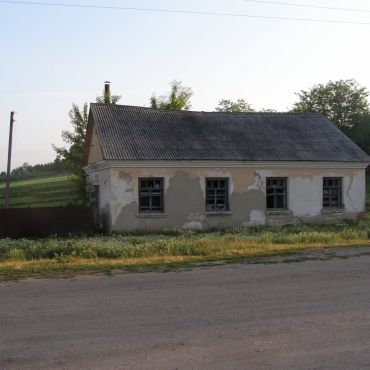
(47, 190)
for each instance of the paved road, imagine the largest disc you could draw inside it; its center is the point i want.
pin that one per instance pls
(313, 314)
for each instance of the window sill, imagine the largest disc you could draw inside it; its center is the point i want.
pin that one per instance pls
(278, 212)
(218, 213)
(333, 209)
(151, 215)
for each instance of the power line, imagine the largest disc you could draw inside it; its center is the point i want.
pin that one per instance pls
(174, 11)
(308, 6)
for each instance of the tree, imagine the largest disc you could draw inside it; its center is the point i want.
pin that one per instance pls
(343, 102)
(240, 105)
(177, 99)
(360, 133)
(24, 169)
(57, 166)
(73, 154)
(268, 110)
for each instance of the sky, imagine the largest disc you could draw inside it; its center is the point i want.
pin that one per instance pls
(52, 57)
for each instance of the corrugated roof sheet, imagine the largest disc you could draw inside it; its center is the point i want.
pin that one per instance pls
(137, 133)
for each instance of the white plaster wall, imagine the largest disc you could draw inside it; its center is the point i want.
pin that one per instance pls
(103, 179)
(305, 195)
(305, 190)
(355, 192)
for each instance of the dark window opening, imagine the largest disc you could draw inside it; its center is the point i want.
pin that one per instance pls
(276, 193)
(332, 192)
(151, 195)
(217, 195)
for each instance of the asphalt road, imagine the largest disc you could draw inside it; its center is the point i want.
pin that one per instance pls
(307, 314)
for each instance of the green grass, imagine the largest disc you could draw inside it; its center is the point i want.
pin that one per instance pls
(45, 257)
(46, 190)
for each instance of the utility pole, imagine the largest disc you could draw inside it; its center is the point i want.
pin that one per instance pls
(7, 187)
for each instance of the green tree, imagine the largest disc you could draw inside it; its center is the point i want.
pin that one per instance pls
(73, 154)
(268, 110)
(75, 140)
(177, 99)
(343, 102)
(226, 105)
(360, 133)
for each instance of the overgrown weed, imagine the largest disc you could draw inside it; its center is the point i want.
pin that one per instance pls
(182, 243)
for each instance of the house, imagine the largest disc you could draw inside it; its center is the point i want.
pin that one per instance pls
(158, 170)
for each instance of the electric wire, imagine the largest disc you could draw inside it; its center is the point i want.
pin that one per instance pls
(175, 11)
(307, 6)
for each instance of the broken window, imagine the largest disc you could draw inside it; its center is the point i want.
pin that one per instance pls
(217, 194)
(276, 193)
(332, 192)
(151, 195)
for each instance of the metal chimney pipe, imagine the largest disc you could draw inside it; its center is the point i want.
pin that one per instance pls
(107, 87)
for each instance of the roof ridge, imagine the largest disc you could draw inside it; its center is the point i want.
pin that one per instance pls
(202, 112)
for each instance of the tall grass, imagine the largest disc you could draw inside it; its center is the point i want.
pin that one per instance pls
(247, 240)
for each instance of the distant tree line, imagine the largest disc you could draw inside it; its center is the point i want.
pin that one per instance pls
(58, 165)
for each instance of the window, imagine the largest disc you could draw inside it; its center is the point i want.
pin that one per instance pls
(151, 195)
(276, 193)
(217, 195)
(332, 192)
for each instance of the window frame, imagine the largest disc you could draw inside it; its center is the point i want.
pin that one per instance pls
(285, 194)
(340, 195)
(161, 190)
(226, 196)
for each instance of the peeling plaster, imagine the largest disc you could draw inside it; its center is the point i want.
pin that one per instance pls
(193, 225)
(257, 217)
(258, 184)
(184, 196)
(212, 173)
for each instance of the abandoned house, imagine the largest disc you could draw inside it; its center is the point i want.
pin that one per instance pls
(158, 170)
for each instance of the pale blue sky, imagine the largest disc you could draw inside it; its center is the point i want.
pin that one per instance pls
(51, 57)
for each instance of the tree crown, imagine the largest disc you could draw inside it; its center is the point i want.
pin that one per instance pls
(177, 99)
(343, 102)
(226, 105)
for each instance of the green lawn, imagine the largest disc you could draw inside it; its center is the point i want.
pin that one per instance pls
(46, 190)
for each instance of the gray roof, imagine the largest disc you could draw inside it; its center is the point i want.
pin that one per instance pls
(137, 133)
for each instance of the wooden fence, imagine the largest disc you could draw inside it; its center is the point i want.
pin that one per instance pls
(43, 222)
